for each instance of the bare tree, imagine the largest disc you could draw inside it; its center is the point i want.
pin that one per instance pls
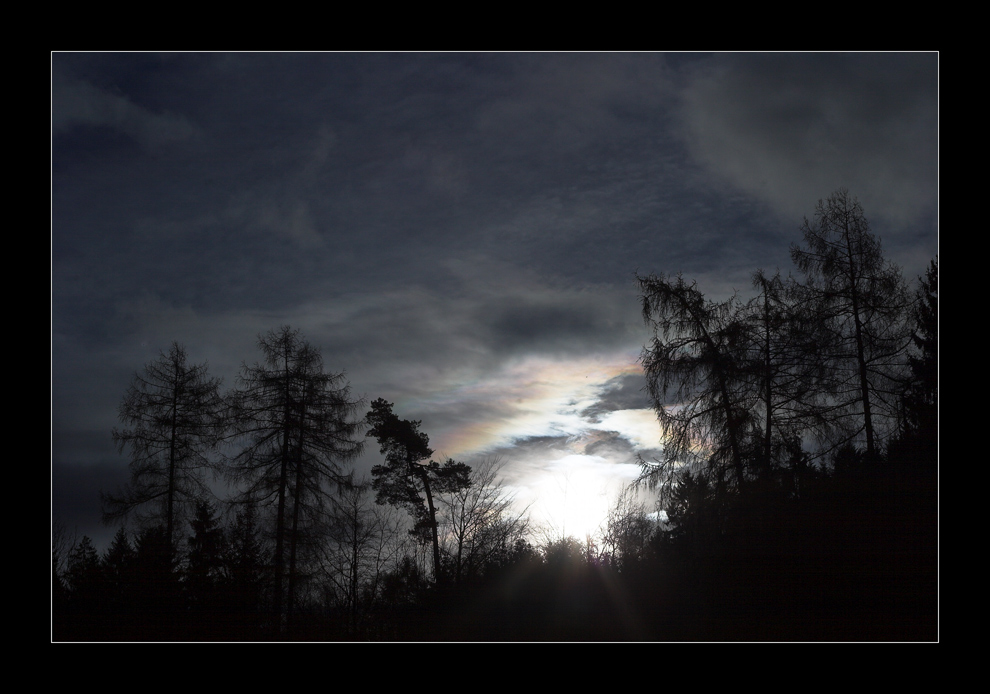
(296, 423)
(629, 529)
(364, 542)
(861, 301)
(696, 374)
(785, 387)
(174, 412)
(477, 522)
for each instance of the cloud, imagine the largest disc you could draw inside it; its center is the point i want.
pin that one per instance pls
(456, 232)
(292, 220)
(77, 103)
(791, 128)
(624, 392)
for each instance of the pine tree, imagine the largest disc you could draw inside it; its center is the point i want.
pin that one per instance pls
(84, 573)
(407, 478)
(205, 558)
(246, 568)
(921, 401)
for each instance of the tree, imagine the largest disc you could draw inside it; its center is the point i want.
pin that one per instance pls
(479, 525)
(205, 559)
(784, 385)
(175, 414)
(364, 542)
(118, 563)
(921, 399)
(696, 375)
(245, 568)
(84, 572)
(407, 473)
(296, 420)
(61, 544)
(861, 302)
(157, 588)
(629, 531)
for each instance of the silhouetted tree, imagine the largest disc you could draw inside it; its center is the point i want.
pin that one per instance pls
(60, 552)
(694, 515)
(629, 531)
(205, 558)
(84, 573)
(696, 375)
(861, 301)
(478, 522)
(403, 585)
(921, 400)
(296, 421)
(118, 568)
(157, 586)
(245, 570)
(364, 542)
(785, 387)
(175, 414)
(406, 476)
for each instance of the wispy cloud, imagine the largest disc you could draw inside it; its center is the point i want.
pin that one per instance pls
(790, 128)
(78, 103)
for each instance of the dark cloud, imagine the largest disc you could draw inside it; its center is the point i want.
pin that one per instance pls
(430, 220)
(790, 128)
(624, 392)
(553, 322)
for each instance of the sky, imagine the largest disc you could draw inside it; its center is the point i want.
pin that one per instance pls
(459, 233)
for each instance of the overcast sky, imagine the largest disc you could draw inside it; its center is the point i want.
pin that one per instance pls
(459, 233)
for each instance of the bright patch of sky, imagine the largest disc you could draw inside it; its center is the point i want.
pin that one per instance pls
(541, 396)
(566, 489)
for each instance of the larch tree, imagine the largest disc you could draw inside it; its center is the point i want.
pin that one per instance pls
(174, 415)
(295, 420)
(785, 385)
(861, 302)
(408, 475)
(696, 375)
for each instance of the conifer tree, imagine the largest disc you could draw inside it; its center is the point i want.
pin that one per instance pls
(205, 558)
(407, 478)
(861, 302)
(296, 423)
(84, 573)
(697, 374)
(921, 401)
(174, 414)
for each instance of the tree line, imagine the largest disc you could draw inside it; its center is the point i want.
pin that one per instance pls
(299, 527)
(796, 491)
(799, 468)
(808, 366)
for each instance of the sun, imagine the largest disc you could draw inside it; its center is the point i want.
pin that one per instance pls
(573, 495)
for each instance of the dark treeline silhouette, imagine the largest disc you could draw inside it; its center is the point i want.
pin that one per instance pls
(796, 495)
(800, 460)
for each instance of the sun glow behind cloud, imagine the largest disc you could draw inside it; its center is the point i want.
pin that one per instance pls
(572, 495)
(563, 463)
(534, 396)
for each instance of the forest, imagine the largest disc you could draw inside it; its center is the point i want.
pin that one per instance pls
(795, 498)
